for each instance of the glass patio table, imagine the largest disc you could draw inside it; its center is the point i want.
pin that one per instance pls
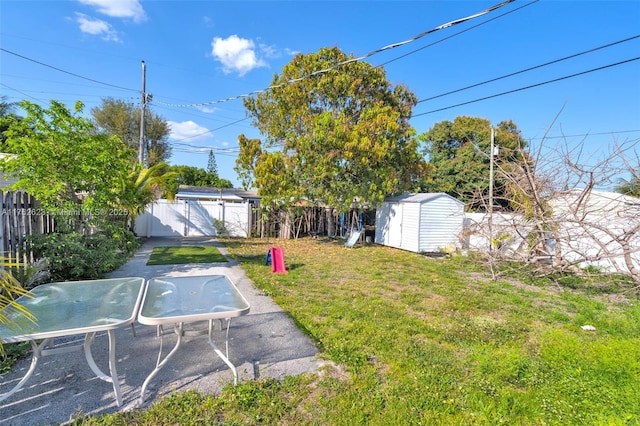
(73, 308)
(191, 299)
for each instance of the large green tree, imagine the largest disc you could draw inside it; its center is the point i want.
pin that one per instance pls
(117, 117)
(63, 161)
(459, 152)
(330, 137)
(194, 176)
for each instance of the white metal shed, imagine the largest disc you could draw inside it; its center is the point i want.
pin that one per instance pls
(425, 222)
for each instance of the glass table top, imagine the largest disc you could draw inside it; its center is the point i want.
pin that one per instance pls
(190, 299)
(73, 307)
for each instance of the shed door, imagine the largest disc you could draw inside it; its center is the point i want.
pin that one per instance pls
(394, 236)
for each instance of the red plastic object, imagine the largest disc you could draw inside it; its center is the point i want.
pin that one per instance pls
(277, 260)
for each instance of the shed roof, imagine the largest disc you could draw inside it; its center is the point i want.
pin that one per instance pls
(422, 197)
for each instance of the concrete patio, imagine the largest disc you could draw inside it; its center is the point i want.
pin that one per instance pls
(264, 343)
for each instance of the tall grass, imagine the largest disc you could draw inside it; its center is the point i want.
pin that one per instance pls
(415, 340)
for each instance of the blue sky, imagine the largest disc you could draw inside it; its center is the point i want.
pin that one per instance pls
(200, 53)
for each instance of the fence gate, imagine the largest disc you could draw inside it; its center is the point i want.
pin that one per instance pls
(193, 218)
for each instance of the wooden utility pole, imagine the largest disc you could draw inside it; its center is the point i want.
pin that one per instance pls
(492, 153)
(143, 106)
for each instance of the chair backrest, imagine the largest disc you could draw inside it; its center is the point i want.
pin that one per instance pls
(353, 238)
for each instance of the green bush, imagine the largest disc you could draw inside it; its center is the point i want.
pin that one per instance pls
(32, 274)
(74, 256)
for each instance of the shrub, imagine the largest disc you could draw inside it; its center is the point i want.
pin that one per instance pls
(74, 256)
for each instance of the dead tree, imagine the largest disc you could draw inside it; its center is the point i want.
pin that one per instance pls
(564, 215)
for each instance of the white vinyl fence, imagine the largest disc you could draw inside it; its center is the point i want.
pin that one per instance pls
(193, 218)
(600, 230)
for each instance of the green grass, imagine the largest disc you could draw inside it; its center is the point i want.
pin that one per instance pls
(411, 340)
(185, 254)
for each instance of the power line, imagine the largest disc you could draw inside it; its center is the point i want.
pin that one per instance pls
(456, 34)
(213, 130)
(66, 72)
(617, 132)
(197, 149)
(388, 47)
(530, 69)
(492, 96)
(528, 87)
(22, 93)
(360, 58)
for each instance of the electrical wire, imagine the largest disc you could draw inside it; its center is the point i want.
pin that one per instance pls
(498, 94)
(617, 132)
(530, 68)
(213, 130)
(495, 95)
(528, 87)
(67, 72)
(22, 93)
(360, 58)
(456, 34)
(368, 55)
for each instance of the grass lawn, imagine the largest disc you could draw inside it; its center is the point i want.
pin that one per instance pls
(185, 254)
(414, 340)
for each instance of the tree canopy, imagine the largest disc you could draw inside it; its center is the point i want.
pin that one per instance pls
(459, 152)
(195, 176)
(330, 137)
(74, 170)
(116, 117)
(60, 158)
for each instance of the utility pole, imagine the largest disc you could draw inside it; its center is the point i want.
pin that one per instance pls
(494, 152)
(142, 109)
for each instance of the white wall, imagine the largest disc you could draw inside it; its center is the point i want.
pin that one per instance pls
(591, 233)
(441, 224)
(599, 228)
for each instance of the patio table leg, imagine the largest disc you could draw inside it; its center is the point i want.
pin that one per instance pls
(36, 352)
(113, 379)
(223, 357)
(160, 364)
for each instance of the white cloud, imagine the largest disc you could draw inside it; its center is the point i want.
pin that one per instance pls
(92, 26)
(130, 9)
(187, 130)
(236, 54)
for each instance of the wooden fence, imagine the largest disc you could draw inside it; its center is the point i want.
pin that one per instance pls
(311, 221)
(22, 216)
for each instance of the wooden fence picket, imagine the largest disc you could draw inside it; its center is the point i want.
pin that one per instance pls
(22, 216)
